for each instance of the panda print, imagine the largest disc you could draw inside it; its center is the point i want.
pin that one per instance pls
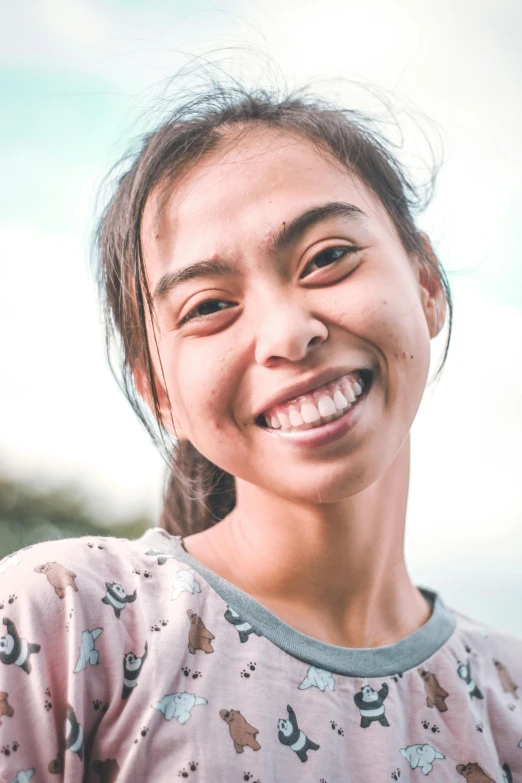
(464, 672)
(117, 598)
(73, 733)
(15, 650)
(132, 666)
(291, 735)
(371, 705)
(243, 628)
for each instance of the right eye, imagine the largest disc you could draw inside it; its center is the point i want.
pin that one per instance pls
(204, 304)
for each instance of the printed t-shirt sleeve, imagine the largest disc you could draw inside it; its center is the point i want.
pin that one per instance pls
(49, 625)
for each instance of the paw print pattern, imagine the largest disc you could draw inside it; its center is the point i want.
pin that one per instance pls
(396, 774)
(249, 776)
(160, 624)
(11, 599)
(512, 707)
(15, 746)
(251, 667)
(143, 733)
(147, 574)
(193, 766)
(480, 727)
(48, 705)
(6, 750)
(48, 692)
(186, 671)
(136, 571)
(340, 731)
(394, 678)
(195, 675)
(426, 725)
(96, 704)
(91, 546)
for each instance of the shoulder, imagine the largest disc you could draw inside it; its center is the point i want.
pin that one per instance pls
(501, 647)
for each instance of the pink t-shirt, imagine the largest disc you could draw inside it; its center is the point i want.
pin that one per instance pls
(130, 661)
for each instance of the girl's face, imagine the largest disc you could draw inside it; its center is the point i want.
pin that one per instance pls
(281, 318)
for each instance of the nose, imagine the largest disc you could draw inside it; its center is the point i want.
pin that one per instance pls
(286, 329)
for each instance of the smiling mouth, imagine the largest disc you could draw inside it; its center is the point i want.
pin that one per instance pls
(365, 381)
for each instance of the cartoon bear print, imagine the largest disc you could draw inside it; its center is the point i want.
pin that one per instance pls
(73, 733)
(242, 733)
(14, 649)
(184, 582)
(464, 672)
(243, 628)
(116, 597)
(161, 557)
(5, 707)
(106, 770)
(55, 766)
(23, 776)
(473, 773)
(421, 756)
(87, 653)
(508, 685)
(132, 666)
(435, 693)
(320, 678)
(199, 636)
(291, 735)
(371, 705)
(179, 705)
(58, 577)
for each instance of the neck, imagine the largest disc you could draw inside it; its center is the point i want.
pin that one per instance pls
(334, 571)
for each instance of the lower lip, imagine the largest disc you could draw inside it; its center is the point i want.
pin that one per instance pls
(326, 433)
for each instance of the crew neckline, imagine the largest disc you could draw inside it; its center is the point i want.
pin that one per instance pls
(390, 659)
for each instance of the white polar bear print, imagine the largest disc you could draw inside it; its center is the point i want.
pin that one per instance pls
(10, 561)
(184, 582)
(87, 652)
(179, 705)
(321, 678)
(421, 756)
(24, 776)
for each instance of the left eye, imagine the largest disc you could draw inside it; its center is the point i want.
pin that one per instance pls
(338, 252)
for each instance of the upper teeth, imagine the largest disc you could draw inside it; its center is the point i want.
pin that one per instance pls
(323, 402)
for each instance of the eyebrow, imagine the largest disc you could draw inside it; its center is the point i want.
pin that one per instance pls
(288, 235)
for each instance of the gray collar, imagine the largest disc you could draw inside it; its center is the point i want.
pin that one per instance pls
(391, 659)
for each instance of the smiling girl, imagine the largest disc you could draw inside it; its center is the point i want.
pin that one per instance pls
(274, 304)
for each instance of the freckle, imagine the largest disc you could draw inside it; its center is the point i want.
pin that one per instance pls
(411, 357)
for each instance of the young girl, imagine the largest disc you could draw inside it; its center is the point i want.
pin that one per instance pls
(274, 303)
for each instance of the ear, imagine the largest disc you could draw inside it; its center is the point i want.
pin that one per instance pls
(142, 383)
(431, 291)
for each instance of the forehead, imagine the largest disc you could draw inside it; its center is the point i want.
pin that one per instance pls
(245, 188)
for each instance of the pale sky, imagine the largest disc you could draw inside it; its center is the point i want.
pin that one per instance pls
(74, 79)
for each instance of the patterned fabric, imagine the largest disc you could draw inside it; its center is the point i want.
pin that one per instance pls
(130, 661)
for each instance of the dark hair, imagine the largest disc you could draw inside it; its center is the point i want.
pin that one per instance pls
(198, 494)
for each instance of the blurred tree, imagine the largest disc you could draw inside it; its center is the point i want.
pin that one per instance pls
(29, 515)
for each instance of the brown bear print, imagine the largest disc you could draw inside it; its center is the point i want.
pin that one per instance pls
(59, 577)
(242, 733)
(55, 766)
(505, 679)
(435, 693)
(199, 636)
(5, 707)
(473, 773)
(107, 770)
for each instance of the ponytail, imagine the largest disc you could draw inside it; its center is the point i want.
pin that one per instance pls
(197, 493)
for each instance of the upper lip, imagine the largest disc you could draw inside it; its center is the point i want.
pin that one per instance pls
(295, 390)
